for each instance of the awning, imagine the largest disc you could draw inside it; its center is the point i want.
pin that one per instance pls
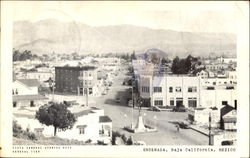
(81, 126)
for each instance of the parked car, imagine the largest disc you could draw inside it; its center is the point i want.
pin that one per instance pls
(154, 108)
(179, 109)
(183, 125)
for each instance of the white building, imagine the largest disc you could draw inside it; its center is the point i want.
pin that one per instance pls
(171, 90)
(200, 116)
(25, 93)
(91, 124)
(40, 76)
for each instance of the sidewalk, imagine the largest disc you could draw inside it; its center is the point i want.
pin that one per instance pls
(199, 129)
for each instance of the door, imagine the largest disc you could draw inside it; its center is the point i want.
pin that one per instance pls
(14, 104)
(32, 103)
(179, 103)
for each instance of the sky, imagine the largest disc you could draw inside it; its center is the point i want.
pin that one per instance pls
(180, 16)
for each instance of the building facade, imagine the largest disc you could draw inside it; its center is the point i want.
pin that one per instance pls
(190, 91)
(40, 76)
(77, 80)
(92, 125)
(25, 93)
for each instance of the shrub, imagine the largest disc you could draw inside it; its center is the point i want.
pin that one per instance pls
(129, 141)
(88, 141)
(32, 136)
(114, 135)
(17, 129)
(124, 138)
(100, 142)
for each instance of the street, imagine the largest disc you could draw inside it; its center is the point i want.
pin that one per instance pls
(122, 115)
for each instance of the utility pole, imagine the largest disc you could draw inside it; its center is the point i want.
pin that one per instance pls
(86, 88)
(209, 134)
(132, 103)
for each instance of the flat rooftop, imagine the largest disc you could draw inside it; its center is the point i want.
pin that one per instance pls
(76, 68)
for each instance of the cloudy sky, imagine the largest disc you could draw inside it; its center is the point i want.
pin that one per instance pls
(179, 16)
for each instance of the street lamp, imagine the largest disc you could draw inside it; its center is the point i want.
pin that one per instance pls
(132, 104)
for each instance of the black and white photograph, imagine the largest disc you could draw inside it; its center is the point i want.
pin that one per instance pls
(125, 73)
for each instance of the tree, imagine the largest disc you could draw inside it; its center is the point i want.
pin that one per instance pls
(133, 57)
(154, 58)
(57, 115)
(175, 63)
(164, 61)
(182, 66)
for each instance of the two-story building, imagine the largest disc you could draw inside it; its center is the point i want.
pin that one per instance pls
(190, 91)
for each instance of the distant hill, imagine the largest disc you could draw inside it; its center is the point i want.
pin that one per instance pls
(50, 35)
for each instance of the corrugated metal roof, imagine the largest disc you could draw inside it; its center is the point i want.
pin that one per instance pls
(226, 109)
(81, 126)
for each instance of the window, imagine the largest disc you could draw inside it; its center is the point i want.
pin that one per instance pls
(89, 74)
(16, 91)
(225, 82)
(229, 87)
(170, 89)
(13, 92)
(158, 102)
(214, 83)
(171, 101)
(145, 89)
(210, 88)
(157, 89)
(81, 130)
(90, 91)
(192, 102)
(178, 89)
(192, 89)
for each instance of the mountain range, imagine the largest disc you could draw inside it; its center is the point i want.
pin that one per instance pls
(50, 35)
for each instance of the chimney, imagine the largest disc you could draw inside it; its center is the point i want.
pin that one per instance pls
(235, 104)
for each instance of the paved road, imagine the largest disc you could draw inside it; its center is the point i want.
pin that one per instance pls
(122, 115)
(167, 133)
